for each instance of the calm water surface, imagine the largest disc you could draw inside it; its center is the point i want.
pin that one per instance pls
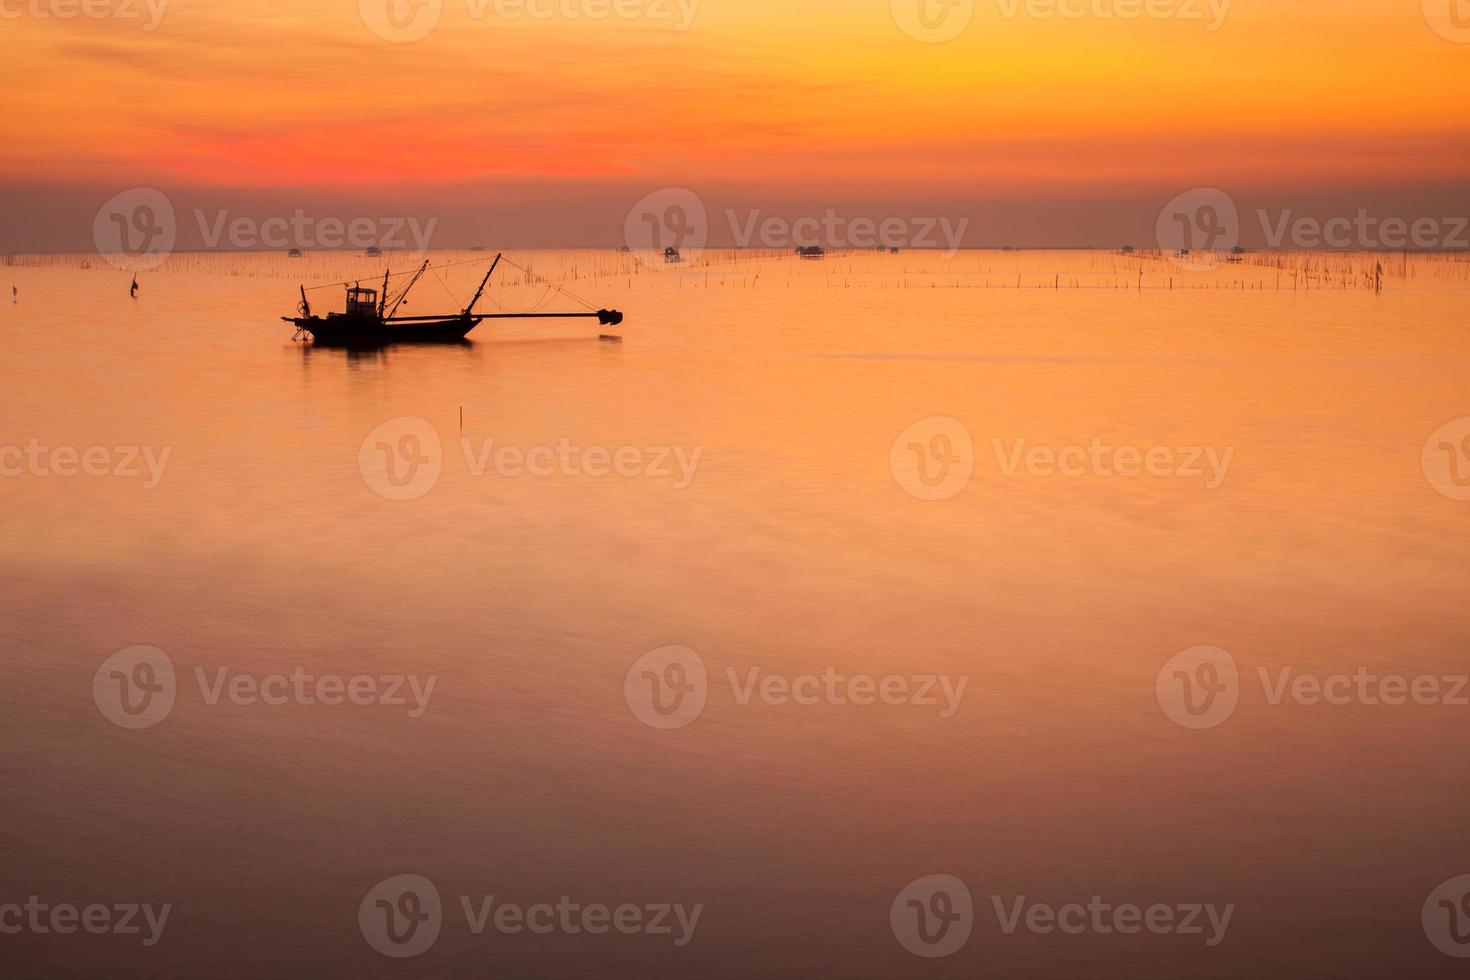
(796, 547)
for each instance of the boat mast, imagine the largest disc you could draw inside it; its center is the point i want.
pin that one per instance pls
(422, 269)
(383, 299)
(469, 309)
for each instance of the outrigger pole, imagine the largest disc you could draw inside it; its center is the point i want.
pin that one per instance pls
(605, 317)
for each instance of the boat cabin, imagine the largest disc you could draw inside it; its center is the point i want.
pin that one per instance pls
(362, 301)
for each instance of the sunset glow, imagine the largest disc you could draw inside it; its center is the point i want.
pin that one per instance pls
(756, 103)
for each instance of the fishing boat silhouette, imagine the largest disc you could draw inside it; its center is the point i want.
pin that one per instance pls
(370, 320)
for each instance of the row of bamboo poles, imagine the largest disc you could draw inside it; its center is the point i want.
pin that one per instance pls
(912, 269)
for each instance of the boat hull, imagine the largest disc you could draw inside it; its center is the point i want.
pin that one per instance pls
(341, 330)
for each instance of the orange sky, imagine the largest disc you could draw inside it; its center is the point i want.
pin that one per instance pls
(793, 106)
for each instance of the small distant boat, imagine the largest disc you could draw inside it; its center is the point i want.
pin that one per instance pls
(373, 252)
(370, 322)
(672, 256)
(295, 253)
(812, 252)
